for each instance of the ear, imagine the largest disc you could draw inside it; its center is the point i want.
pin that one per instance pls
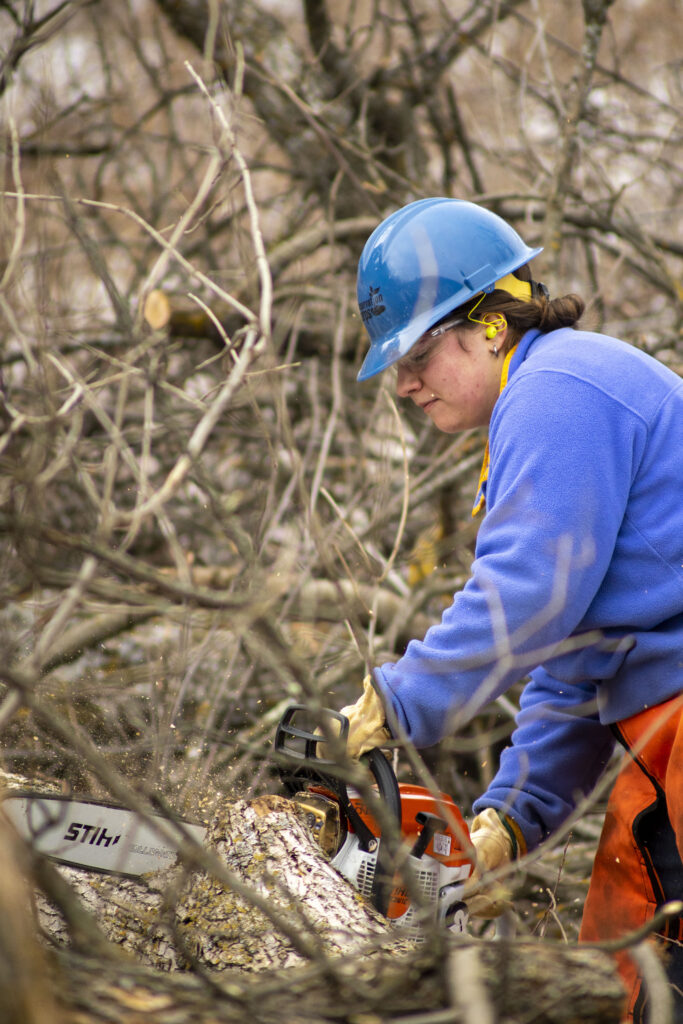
(494, 326)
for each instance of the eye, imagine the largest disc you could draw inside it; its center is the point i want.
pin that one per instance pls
(421, 353)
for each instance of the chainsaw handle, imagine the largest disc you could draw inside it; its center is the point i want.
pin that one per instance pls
(300, 745)
(297, 748)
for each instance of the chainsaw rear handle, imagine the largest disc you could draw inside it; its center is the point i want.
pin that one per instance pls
(387, 783)
(431, 823)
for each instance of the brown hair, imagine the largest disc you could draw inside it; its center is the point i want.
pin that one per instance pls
(539, 312)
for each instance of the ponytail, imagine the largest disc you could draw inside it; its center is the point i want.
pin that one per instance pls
(563, 312)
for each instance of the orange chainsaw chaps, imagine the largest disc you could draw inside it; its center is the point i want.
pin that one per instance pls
(626, 888)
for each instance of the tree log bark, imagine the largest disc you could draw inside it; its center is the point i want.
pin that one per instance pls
(174, 920)
(266, 930)
(515, 983)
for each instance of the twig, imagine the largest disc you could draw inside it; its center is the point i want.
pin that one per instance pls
(664, 913)
(191, 269)
(336, 403)
(20, 226)
(466, 986)
(553, 895)
(595, 14)
(659, 993)
(266, 292)
(159, 268)
(406, 490)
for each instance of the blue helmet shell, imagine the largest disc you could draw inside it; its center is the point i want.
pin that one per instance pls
(424, 261)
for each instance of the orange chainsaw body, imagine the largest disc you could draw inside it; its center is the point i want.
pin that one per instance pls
(448, 846)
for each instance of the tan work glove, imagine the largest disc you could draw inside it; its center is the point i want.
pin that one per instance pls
(367, 728)
(494, 847)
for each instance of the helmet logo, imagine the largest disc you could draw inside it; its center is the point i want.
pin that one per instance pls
(372, 306)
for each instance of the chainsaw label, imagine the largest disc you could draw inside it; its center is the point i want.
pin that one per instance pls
(152, 851)
(98, 837)
(441, 844)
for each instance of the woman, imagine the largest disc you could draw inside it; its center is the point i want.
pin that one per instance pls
(577, 580)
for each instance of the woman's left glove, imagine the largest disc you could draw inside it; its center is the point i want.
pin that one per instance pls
(497, 841)
(367, 722)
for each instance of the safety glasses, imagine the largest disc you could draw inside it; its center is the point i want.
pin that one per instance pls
(423, 349)
(448, 325)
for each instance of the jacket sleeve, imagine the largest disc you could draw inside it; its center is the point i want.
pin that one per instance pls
(559, 751)
(562, 459)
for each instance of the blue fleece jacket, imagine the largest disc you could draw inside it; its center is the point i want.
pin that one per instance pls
(577, 578)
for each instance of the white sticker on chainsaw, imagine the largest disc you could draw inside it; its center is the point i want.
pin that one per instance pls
(441, 844)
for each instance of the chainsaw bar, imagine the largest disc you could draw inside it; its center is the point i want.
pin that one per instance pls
(93, 834)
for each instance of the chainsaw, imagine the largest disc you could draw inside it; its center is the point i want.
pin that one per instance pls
(349, 825)
(83, 832)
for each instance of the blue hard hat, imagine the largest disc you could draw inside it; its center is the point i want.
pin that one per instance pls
(424, 261)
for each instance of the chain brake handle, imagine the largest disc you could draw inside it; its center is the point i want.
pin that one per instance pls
(296, 750)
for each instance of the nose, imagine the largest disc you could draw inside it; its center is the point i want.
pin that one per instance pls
(406, 382)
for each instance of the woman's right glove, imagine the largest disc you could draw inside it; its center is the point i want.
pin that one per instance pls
(367, 722)
(497, 841)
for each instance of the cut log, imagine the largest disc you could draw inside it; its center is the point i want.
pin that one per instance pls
(515, 984)
(266, 930)
(295, 906)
